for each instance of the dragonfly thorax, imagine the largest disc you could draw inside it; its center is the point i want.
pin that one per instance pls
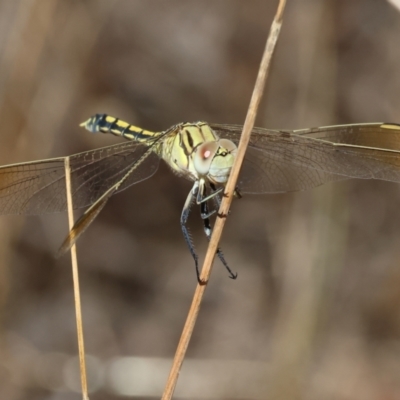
(195, 151)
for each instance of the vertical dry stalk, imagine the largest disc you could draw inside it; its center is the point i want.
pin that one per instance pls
(226, 201)
(75, 277)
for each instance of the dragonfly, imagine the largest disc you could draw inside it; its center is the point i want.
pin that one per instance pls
(276, 161)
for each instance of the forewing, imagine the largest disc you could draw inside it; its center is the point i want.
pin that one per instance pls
(280, 161)
(39, 187)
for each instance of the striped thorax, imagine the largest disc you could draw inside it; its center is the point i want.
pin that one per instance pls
(195, 152)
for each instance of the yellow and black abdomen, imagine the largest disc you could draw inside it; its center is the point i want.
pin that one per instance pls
(107, 124)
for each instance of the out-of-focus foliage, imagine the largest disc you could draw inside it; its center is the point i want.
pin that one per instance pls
(315, 310)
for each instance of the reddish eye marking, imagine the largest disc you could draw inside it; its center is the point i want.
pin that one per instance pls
(206, 154)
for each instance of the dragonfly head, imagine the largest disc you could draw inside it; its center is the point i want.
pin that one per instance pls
(214, 159)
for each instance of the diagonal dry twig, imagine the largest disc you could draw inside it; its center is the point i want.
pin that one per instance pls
(225, 204)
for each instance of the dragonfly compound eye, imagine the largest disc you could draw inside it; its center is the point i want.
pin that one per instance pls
(222, 162)
(227, 146)
(204, 156)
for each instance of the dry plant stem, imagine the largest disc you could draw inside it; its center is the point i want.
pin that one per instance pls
(75, 277)
(226, 201)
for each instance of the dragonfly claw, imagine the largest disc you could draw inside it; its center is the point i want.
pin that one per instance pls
(233, 276)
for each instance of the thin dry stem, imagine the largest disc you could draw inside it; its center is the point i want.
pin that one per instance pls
(225, 204)
(75, 277)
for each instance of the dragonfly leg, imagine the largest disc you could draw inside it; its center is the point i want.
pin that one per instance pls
(237, 193)
(201, 197)
(208, 231)
(185, 230)
(206, 216)
(217, 199)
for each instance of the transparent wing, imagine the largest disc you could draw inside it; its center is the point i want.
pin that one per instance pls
(39, 187)
(280, 161)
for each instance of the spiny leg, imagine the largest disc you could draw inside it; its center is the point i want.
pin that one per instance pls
(237, 193)
(215, 196)
(202, 192)
(208, 231)
(217, 199)
(185, 231)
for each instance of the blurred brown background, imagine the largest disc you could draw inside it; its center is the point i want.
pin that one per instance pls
(315, 311)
